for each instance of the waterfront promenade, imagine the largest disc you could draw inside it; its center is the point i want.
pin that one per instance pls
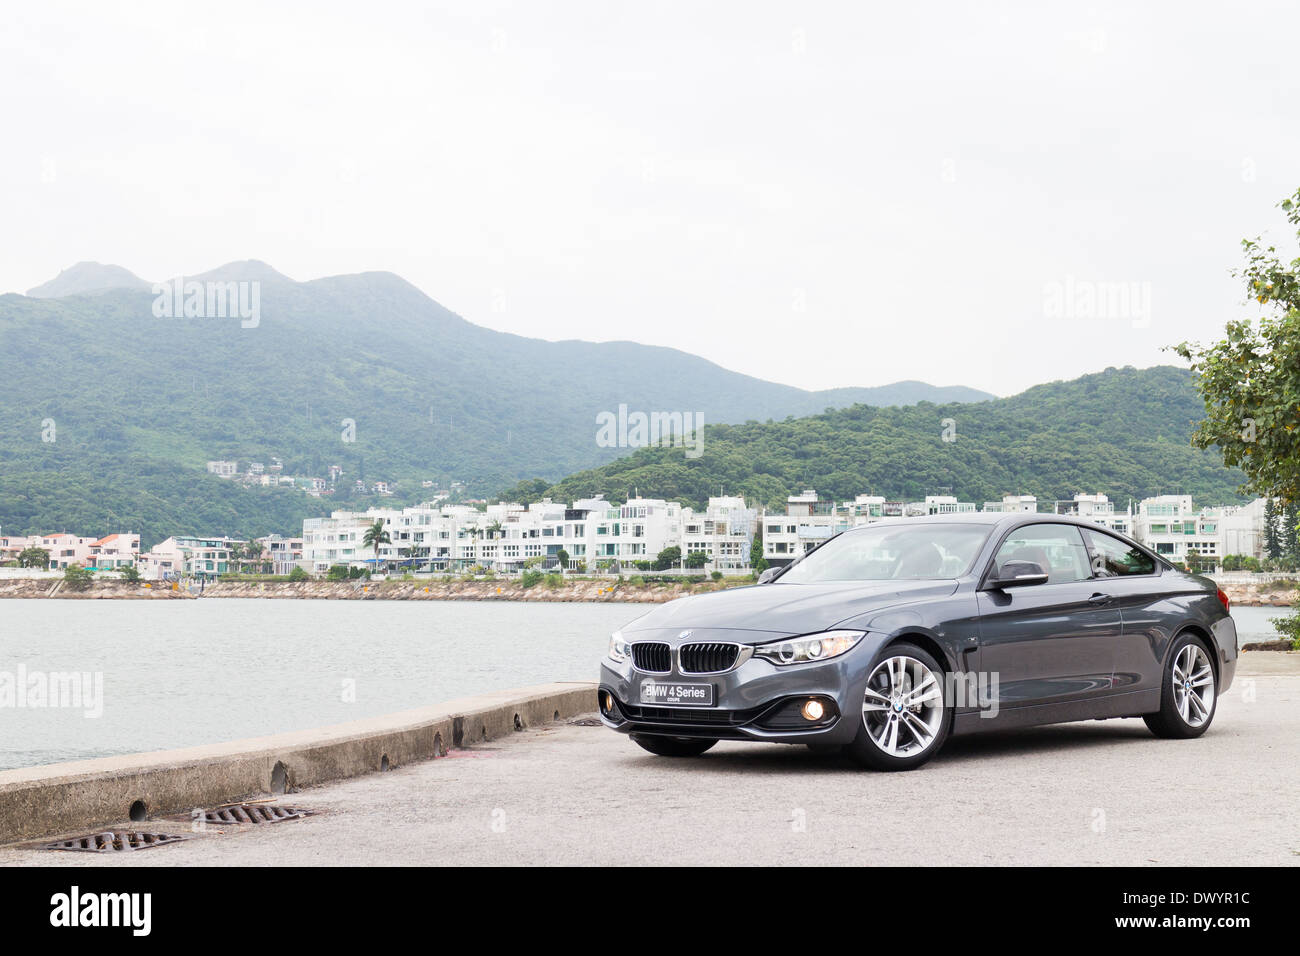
(568, 792)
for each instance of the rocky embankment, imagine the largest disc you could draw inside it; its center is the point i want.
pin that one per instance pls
(1241, 595)
(486, 590)
(1255, 595)
(58, 588)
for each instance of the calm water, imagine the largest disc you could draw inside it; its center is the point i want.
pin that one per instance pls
(179, 673)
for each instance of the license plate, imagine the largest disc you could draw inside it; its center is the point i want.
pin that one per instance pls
(681, 695)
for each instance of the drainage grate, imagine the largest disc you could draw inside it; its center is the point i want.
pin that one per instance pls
(586, 722)
(254, 813)
(110, 840)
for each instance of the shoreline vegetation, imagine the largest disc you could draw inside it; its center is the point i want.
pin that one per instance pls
(632, 590)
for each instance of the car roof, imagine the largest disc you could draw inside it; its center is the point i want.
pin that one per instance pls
(965, 517)
(1007, 520)
(992, 517)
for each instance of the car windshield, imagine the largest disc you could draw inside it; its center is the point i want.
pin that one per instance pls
(884, 552)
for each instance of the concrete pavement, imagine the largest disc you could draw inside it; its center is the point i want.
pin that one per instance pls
(1100, 793)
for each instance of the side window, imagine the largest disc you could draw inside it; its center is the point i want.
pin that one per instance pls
(1056, 548)
(1112, 557)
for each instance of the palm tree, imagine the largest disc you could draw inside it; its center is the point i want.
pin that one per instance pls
(251, 553)
(375, 536)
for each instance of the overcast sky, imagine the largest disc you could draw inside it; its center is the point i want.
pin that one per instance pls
(824, 195)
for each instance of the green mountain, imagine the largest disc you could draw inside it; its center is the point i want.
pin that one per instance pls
(1121, 432)
(109, 411)
(88, 278)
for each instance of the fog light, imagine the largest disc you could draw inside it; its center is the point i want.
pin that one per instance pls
(813, 710)
(607, 701)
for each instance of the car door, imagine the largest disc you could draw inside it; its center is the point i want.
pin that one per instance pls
(1047, 643)
(1130, 577)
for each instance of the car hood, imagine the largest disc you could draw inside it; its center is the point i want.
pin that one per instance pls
(767, 612)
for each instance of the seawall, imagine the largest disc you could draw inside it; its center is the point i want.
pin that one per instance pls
(85, 794)
(1271, 594)
(359, 590)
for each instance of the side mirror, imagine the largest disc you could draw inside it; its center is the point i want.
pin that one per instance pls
(768, 575)
(1018, 574)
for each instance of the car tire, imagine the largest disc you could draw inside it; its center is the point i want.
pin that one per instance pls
(870, 748)
(1178, 716)
(672, 746)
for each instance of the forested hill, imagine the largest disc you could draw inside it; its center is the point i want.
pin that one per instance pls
(139, 403)
(1121, 432)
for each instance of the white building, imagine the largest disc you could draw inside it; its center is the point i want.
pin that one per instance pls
(284, 554)
(1014, 504)
(503, 537)
(724, 532)
(807, 522)
(188, 556)
(1098, 509)
(113, 552)
(1173, 528)
(1242, 531)
(940, 505)
(223, 469)
(865, 509)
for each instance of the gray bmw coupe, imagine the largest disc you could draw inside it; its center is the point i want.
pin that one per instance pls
(889, 638)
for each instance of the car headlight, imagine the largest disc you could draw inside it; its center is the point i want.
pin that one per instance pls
(812, 647)
(619, 649)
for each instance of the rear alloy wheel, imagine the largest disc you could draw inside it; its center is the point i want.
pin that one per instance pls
(672, 746)
(1187, 692)
(905, 719)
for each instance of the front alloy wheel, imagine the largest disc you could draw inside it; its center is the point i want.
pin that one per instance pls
(904, 717)
(1187, 693)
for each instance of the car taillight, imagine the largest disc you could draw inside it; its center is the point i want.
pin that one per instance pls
(1223, 599)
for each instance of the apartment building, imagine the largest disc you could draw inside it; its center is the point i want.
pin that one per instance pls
(284, 554)
(503, 537)
(188, 556)
(865, 509)
(113, 552)
(1172, 527)
(97, 554)
(809, 520)
(1014, 504)
(599, 534)
(1242, 529)
(64, 549)
(940, 505)
(724, 531)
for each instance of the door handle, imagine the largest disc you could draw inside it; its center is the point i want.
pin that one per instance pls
(1099, 599)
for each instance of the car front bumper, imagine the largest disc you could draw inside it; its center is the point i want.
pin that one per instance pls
(757, 700)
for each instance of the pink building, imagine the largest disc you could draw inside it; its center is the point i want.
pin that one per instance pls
(114, 551)
(64, 549)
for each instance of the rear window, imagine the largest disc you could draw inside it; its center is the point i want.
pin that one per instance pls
(1111, 557)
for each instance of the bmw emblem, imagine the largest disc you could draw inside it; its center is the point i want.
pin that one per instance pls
(683, 635)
